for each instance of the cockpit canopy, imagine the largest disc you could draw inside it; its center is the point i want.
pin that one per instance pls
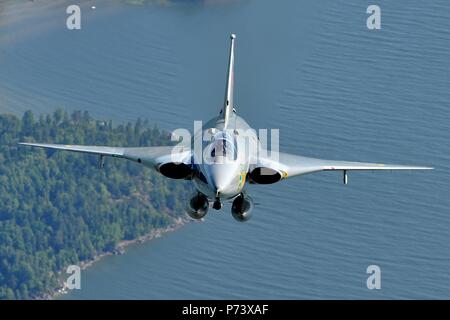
(223, 145)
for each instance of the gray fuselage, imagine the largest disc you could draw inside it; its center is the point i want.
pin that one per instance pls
(223, 164)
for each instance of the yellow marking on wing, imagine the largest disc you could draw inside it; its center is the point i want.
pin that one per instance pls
(243, 178)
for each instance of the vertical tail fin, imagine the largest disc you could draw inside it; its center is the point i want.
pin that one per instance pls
(228, 103)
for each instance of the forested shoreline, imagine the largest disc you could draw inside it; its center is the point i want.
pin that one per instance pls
(58, 208)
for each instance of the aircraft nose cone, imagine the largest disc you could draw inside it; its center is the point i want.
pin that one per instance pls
(221, 178)
(219, 182)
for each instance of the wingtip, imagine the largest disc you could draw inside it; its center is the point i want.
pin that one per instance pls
(28, 144)
(425, 168)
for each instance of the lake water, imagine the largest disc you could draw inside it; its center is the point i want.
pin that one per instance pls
(312, 69)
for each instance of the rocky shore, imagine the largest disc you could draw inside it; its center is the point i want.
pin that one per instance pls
(120, 249)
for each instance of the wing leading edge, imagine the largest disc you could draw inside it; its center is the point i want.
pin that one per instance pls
(297, 165)
(103, 151)
(289, 165)
(149, 156)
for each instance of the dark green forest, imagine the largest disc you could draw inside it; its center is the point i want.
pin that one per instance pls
(58, 208)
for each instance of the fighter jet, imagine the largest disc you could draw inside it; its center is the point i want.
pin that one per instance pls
(231, 157)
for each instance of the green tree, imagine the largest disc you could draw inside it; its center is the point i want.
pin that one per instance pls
(58, 209)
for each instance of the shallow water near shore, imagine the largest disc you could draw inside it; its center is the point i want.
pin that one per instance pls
(334, 89)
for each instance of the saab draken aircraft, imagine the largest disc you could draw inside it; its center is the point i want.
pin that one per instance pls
(231, 155)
